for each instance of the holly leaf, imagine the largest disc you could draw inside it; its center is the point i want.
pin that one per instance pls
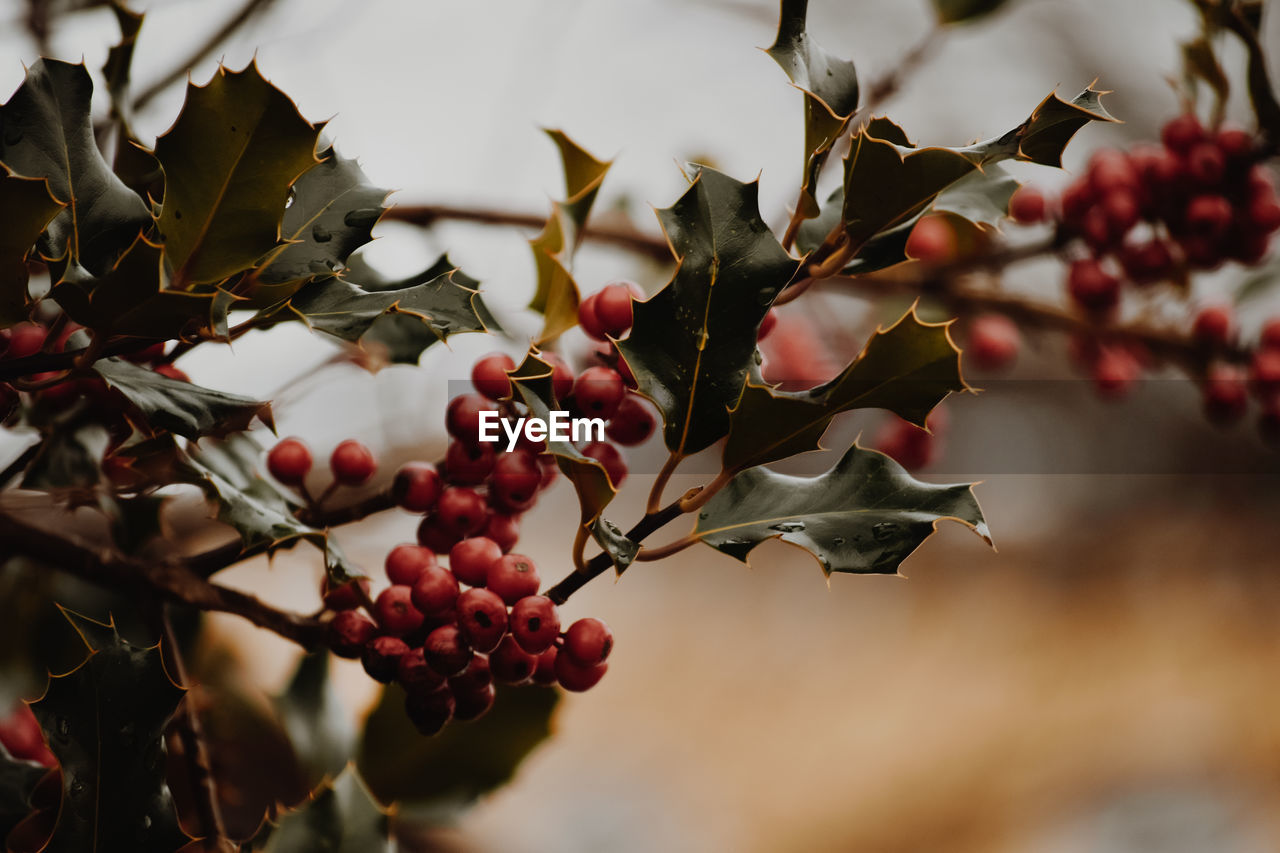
(887, 182)
(119, 63)
(556, 296)
(69, 460)
(907, 368)
(261, 512)
(609, 536)
(18, 780)
(319, 728)
(131, 299)
(865, 515)
(830, 87)
(180, 407)
(229, 160)
(333, 213)
(28, 207)
(105, 722)
(981, 197)
(340, 817)
(46, 131)
(435, 778)
(960, 11)
(693, 342)
(532, 381)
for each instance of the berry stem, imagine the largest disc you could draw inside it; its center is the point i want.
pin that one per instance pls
(580, 547)
(658, 552)
(660, 483)
(697, 499)
(601, 563)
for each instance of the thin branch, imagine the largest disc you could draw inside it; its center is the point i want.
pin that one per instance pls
(659, 552)
(699, 498)
(579, 548)
(206, 49)
(660, 482)
(626, 237)
(169, 582)
(203, 787)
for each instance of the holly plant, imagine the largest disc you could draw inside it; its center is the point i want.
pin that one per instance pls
(121, 255)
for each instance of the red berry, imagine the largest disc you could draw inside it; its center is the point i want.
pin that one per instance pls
(1264, 214)
(462, 510)
(1206, 165)
(1202, 251)
(632, 423)
(1208, 214)
(1121, 208)
(352, 463)
(516, 478)
(1181, 133)
(462, 417)
(1092, 287)
(576, 677)
(588, 641)
(394, 610)
(544, 671)
(482, 618)
(1097, 230)
(613, 307)
(435, 592)
(1226, 394)
(472, 704)
(512, 577)
(1028, 205)
(171, 372)
(489, 375)
(504, 530)
(429, 710)
(414, 672)
(1264, 373)
(289, 461)
(535, 623)
(1145, 263)
(416, 486)
(907, 444)
(589, 319)
(1214, 326)
(933, 241)
(471, 558)
(510, 663)
(550, 471)
(468, 464)
(766, 325)
(1115, 371)
(561, 375)
(447, 650)
(406, 563)
(381, 658)
(1111, 170)
(435, 536)
(475, 676)
(611, 458)
(346, 596)
(994, 341)
(1270, 336)
(1235, 144)
(26, 339)
(349, 632)
(1077, 200)
(598, 391)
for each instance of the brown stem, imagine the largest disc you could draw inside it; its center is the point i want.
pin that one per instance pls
(169, 582)
(698, 499)
(203, 51)
(658, 552)
(579, 548)
(626, 237)
(203, 787)
(660, 483)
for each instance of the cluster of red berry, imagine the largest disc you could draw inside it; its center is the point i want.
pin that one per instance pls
(910, 446)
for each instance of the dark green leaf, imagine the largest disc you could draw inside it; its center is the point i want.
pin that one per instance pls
(131, 299)
(981, 197)
(621, 550)
(17, 780)
(180, 407)
(694, 341)
(884, 250)
(908, 369)
(105, 722)
(342, 817)
(46, 131)
(70, 458)
(556, 296)
(134, 520)
(228, 161)
(120, 61)
(434, 778)
(333, 213)
(830, 89)
(318, 726)
(257, 508)
(27, 207)
(959, 11)
(866, 515)
(532, 381)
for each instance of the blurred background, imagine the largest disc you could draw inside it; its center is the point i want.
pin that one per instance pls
(1105, 682)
